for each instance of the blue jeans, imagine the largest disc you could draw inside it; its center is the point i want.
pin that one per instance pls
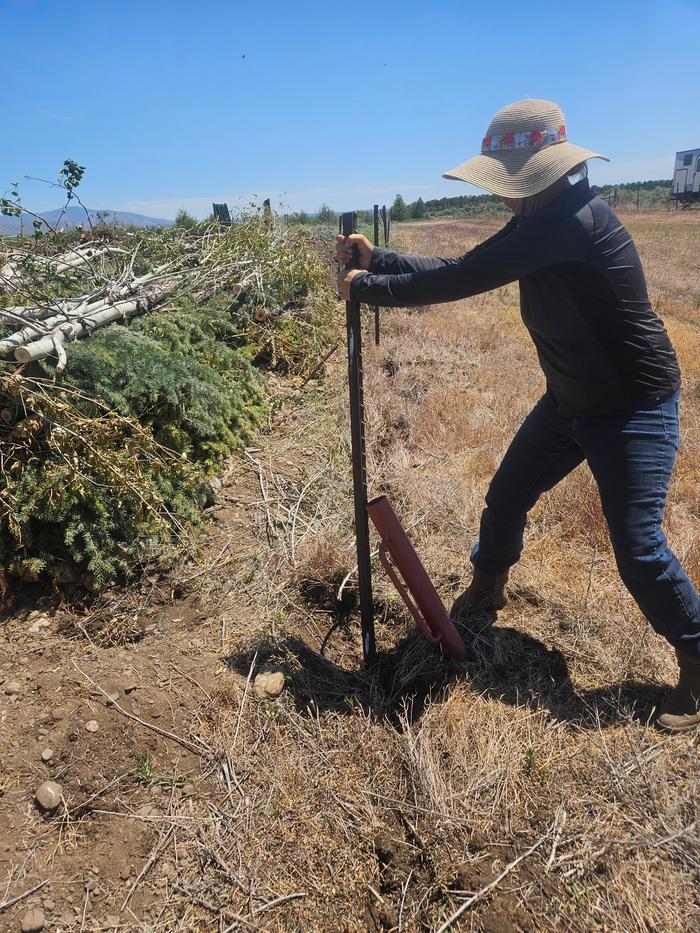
(631, 455)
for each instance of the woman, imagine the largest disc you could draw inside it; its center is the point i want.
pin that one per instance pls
(612, 375)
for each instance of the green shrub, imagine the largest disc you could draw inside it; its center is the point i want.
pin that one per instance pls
(173, 372)
(85, 490)
(104, 469)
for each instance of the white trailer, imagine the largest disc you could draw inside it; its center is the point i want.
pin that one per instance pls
(686, 177)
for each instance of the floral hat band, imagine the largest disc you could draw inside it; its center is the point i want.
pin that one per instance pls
(534, 139)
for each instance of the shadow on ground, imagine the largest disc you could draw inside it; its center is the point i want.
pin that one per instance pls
(503, 663)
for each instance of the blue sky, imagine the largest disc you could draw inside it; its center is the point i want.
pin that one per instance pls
(172, 104)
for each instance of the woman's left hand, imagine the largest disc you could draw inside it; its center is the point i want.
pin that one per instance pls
(345, 277)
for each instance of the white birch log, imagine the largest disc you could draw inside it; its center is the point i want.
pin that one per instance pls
(73, 330)
(23, 313)
(60, 352)
(83, 309)
(33, 330)
(11, 274)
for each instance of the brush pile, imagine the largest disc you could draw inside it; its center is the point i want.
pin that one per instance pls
(132, 365)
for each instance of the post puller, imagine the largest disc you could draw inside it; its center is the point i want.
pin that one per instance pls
(416, 590)
(359, 468)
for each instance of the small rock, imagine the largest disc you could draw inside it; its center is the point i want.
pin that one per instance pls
(48, 795)
(129, 683)
(48, 905)
(47, 754)
(12, 687)
(112, 698)
(111, 922)
(92, 725)
(90, 583)
(269, 684)
(147, 810)
(33, 921)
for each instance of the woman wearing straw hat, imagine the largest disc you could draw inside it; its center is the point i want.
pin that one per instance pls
(612, 376)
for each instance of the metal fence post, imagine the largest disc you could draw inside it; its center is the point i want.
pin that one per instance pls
(222, 214)
(359, 466)
(376, 243)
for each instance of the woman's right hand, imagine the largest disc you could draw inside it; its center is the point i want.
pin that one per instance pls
(344, 250)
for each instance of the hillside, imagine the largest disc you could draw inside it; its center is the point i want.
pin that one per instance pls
(74, 216)
(520, 791)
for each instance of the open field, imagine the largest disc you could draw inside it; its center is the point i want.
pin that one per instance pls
(379, 800)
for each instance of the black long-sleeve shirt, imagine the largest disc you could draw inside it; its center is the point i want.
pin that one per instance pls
(583, 298)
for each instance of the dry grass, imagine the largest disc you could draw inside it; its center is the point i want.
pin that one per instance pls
(383, 799)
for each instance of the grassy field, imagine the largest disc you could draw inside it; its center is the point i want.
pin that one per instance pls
(520, 791)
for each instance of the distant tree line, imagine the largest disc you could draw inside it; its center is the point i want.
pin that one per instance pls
(466, 205)
(324, 215)
(652, 195)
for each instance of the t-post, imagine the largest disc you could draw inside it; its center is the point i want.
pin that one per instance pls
(376, 243)
(359, 467)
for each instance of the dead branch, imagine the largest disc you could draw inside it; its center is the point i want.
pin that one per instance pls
(198, 748)
(491, 885)
(20, 897)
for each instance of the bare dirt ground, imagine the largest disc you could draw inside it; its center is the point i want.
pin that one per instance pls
(390, 799)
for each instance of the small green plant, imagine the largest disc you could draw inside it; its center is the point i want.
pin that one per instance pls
(575, 899)
(541, 775)
(149, 778)
(576, 893)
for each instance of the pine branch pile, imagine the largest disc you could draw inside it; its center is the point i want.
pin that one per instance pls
(140, 370)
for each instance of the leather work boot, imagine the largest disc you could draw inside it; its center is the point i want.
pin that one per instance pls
(483, 593)
(680, 711)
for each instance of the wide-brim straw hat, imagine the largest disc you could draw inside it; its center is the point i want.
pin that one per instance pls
(525, 150)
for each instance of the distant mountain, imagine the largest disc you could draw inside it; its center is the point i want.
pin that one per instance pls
(74, 216)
